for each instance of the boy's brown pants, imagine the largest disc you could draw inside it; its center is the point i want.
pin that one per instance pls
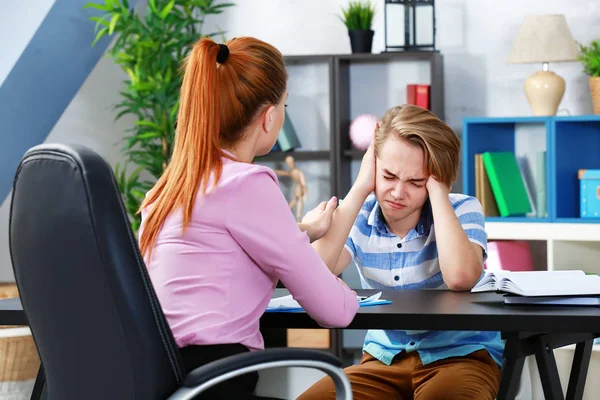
(473, 377)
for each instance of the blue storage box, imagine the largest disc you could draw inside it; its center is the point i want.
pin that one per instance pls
(589, 189)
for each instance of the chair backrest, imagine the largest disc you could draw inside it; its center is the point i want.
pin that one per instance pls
(93, 313)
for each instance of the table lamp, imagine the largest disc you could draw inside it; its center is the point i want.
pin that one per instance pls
(544, 39)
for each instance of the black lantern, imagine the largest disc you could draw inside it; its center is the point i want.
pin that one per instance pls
(409, 25)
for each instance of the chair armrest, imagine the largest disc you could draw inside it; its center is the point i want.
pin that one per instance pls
(221, 370)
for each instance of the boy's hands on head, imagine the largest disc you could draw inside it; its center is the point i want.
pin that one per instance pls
(365, 181)
(317, 221)
(436, 188)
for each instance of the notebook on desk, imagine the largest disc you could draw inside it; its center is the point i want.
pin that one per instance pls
(289, 304)
(540, 283)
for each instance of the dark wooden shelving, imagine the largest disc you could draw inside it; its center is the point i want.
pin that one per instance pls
(389, 56)
(299, 155)
(307, 59)
(354, 153)
(341, 153)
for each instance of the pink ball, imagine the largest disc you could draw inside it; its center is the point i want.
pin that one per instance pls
(361, 130)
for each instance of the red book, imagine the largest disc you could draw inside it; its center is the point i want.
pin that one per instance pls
(418, 95)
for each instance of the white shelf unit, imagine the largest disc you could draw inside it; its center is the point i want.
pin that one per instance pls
(555, 246)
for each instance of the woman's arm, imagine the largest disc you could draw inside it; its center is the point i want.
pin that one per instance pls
(331, 245)
(263, 225)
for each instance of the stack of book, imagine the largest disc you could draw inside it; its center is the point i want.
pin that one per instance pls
(501, 189)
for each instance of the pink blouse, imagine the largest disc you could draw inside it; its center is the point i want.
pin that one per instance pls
(216, 280)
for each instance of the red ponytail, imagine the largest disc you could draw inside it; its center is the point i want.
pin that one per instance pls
(216, 102)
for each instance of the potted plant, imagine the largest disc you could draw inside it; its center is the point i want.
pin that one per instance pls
(358, 18)
(150, 48)
(590, 58)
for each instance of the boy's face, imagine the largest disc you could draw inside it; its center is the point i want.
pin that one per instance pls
(400, 180)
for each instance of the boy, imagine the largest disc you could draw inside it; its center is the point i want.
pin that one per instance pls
(413, 234)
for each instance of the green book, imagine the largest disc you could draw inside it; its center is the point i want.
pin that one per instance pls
(507, 183)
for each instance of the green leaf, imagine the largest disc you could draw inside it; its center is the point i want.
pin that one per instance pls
(99, 21)
(168, 75)
(113, 23)
(174, 110)
(223, 5)
(148, 135)
(131, 75)
(148, 123)
(100, 7)
(136, 173)
(167, 9)
(125, 57)
(99, 35)
(152, 4)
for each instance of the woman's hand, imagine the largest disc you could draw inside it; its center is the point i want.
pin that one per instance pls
(317, 221)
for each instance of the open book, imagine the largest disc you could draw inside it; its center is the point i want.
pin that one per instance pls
(540, 283)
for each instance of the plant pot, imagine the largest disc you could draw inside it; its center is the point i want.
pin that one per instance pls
(595, 92)
(361, 41)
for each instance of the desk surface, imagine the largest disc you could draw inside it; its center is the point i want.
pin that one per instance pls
(446, 310)
(423, 309)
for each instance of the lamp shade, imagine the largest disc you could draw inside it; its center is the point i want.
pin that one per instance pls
(544, 38)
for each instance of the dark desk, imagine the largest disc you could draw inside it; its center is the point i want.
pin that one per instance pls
(446, 310)
(528, 330)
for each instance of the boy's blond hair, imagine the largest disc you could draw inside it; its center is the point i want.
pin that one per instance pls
(421, 128)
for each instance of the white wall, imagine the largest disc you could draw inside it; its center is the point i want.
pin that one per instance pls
(475, 37)
(18, 22)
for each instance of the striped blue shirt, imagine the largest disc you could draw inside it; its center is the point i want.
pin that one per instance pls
(382, 264)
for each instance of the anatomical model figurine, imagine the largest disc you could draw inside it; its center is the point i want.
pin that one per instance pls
(300, 189)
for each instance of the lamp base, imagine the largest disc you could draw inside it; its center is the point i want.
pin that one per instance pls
(544, 91)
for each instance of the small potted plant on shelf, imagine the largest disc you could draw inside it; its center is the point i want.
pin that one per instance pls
(590, 58)
(358, 18)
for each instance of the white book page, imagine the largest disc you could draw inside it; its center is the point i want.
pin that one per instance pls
(552, 285)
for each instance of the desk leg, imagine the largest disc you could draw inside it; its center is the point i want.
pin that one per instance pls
(544, 355)
(515, 351)
(511, 377)
(38, 386)
(581, 362)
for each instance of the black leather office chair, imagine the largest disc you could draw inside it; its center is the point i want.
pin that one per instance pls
(93, 313)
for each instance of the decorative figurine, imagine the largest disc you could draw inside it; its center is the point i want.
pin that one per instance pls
(300, 189)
